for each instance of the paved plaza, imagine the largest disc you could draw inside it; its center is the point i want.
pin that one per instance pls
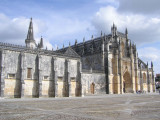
(104, 107)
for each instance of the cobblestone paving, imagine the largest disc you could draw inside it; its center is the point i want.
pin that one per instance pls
(104, 107)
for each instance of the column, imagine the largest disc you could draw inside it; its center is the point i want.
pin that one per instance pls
(22, 60)
(78, 79)
(2, 76)
(117, 81)
(141, 79)
(67, 78)
(109, 73)
(136, 73)
(132, 72)
(120, 70)
(148, 82)
(40, 77)
(54, 70)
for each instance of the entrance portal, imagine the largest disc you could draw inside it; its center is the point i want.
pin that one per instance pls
(127, 83)
(92, 88)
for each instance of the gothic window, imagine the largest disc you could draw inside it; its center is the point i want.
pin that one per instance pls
(46, 77)
(144, 78)
(73, 79)
(29, 73)
(11, 76)
(60, 79)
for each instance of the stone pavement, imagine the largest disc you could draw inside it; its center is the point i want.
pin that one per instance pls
(103, 107)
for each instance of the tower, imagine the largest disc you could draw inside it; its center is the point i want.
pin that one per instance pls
(30, 42)
(114, 30)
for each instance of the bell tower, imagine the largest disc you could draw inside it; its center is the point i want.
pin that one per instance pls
(30, 42)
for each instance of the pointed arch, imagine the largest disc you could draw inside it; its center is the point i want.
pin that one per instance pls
(144, 78)
(127, 83)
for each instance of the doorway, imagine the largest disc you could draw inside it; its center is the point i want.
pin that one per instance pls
(92, 88)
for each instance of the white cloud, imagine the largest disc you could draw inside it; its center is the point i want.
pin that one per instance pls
(150, 54)
(142, 29)
(65, 29)
(105, 1)
(139, 6)
(14, 30)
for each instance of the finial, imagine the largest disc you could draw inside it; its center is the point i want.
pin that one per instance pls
(83, 39)
(57, 47)
(75, 41)
(69, 44)
(92, 37)
(46, 47)
(126, 31)
(63, 45)
(113, 24)
(104, 37)
(101, 33)
(151, 64)
(52, 49)
(130, 43)
(31, 18)
(147, 63)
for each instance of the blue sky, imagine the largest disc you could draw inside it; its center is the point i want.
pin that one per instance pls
(63, 21)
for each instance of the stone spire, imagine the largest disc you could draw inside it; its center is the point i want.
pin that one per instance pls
(30, 35)
(151, 64)
(30, 42)
(114, 30)
(92, 37)
(75, 41)
(41, 43)
(84, 40)
(126, 32)
(101, 33)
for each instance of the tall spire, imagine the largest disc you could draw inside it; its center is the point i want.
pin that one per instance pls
(30, 42)
(30, 35)
(41, 42)
(126, 33)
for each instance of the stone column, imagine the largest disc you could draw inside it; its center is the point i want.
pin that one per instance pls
(102, 54)
(67, 78)
(22, 59)
(78, 79)
(54, 64)
(153, 79)
(141, 79)
(40, 77)
(109, 73)
(120, 70)
(136, 73)
(117, 81)
(148, 82)
(132, 72)
(2, 76)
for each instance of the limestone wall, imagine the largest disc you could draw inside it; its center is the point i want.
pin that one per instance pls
(48, 77)
(30, 89)
(12, 88)
(98, 79)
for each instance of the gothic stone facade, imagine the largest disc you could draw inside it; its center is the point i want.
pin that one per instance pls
(107, 64)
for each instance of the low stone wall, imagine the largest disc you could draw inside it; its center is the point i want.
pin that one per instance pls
(93, 83)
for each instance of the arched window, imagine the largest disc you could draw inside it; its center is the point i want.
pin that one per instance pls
(144, 78)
